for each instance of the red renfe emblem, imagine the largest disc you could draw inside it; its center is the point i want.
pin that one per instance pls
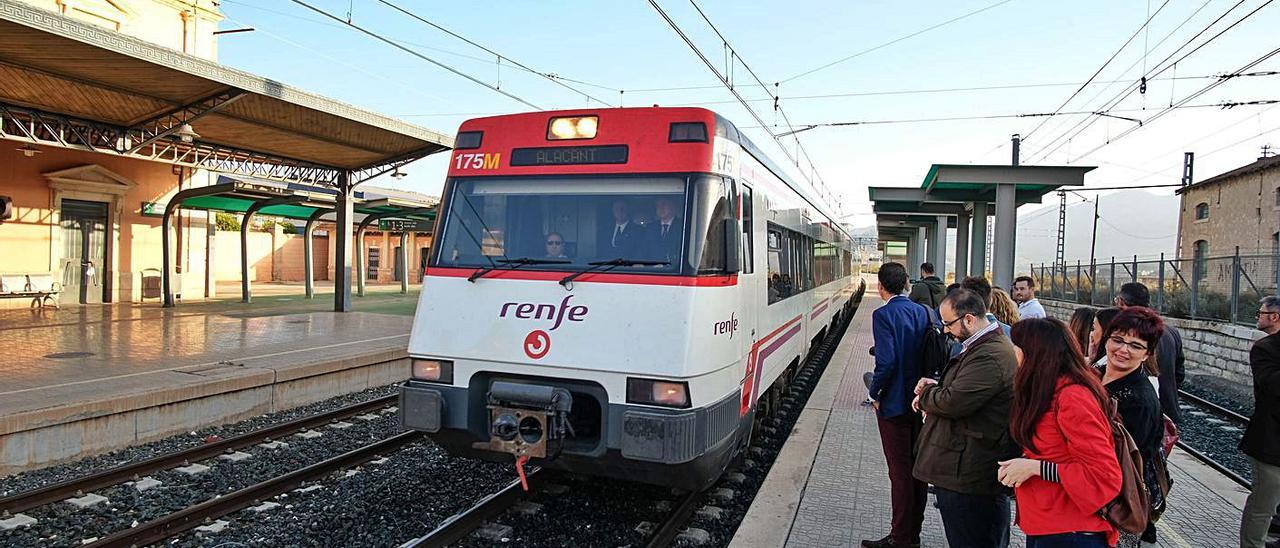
(537, 343)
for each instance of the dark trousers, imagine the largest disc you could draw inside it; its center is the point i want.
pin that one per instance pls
(908, 496)
(1068, 540)
(974, 521)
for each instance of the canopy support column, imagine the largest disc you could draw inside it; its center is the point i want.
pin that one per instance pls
(1006, 224)
(166, 227)
(940, 249)
(308, 251)
(404, 262)
(246, 294)
(342, 251)
(978, 241)
(962, 246)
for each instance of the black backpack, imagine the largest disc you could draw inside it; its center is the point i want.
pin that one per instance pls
(934, 349)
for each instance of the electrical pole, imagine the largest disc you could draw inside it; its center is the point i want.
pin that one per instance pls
(1059, 257)
(1093, 242)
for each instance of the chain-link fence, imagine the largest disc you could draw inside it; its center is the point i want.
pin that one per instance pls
(1212, 288)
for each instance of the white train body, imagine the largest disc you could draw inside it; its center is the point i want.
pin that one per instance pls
(647, 371)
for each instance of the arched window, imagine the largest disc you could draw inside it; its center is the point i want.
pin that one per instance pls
(1200, 258)
(1202, 211)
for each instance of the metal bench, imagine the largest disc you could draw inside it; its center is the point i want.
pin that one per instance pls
(40, 288)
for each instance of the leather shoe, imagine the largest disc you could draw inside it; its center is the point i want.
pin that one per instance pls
(887, 542)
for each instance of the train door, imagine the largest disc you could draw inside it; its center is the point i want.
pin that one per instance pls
(751, 280)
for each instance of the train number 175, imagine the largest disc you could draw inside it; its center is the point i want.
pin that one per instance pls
(479, 160)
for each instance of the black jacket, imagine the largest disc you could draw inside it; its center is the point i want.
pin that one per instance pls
(1262, 439)
(1139, 409)
(929, 291)
(1172, 363)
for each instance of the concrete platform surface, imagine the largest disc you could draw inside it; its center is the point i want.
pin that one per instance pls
(91, 379)
(830, 487)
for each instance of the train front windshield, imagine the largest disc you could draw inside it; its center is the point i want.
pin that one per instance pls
(670, 224)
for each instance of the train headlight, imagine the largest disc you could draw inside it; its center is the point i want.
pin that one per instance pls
(433, 370)
(656, 392)
(573, 127)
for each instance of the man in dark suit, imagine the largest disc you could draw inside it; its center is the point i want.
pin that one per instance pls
(898, 329)
(1261, 442)
(667, 232)
(623, 238)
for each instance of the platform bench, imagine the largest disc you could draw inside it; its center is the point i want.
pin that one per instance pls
(40, 288)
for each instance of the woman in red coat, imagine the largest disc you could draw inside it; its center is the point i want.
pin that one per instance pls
(1069, 468)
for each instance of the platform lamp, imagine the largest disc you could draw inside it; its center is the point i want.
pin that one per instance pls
(186, 133)
(28, 150)
(397, 174)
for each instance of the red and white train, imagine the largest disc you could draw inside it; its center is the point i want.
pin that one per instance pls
(618, 292)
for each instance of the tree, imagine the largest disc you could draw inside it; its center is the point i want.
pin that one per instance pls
(227, 221)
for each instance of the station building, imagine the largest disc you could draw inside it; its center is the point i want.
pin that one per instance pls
(1236, 209)
(92, 221)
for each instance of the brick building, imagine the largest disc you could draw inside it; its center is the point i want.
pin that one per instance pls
(1239, 208)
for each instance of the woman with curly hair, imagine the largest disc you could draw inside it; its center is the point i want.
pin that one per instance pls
(1003, 307)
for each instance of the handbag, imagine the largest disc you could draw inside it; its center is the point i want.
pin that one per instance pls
(1171, 436)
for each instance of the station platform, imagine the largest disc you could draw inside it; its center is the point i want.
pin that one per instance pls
(830, 486)
(90, 379)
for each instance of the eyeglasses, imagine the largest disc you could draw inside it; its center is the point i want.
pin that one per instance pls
(552, 242)
(1133, 346)
(948, 324)
(1262, 313)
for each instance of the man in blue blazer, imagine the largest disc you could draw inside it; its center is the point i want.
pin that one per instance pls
(899, 328)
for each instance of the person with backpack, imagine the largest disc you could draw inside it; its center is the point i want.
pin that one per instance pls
(966, 427)
(929, 289)
(1068, 470)
(1130, 341)
(898, 328)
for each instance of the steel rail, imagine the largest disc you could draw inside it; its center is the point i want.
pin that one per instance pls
(1237, 417)
(458, 526)
(666, 534)
(171, 525)
(65, 489)
(1215, 465)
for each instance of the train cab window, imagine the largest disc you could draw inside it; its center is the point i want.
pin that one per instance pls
(502, 222)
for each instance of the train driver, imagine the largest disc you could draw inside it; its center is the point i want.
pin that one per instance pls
(555, 246)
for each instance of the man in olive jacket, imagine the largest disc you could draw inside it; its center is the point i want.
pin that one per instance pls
(966, 426)
(1261, 440)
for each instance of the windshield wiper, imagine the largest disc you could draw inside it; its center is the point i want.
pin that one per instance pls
(522, 261)
(610, 264)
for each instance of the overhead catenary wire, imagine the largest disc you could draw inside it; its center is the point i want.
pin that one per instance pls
(1163, 66)
(896, 40)
(547, 75)
(417, 54)
(1141, 80)
(1101, 68)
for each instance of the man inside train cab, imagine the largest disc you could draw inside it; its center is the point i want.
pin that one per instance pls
(667, 231)
(555, 246)
(623, 237)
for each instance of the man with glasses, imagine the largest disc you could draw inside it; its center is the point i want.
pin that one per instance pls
(555, 246)
(1169, 357)
(1261, 442)
(966, 426)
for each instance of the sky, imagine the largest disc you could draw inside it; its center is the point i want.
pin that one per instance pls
(626, 53)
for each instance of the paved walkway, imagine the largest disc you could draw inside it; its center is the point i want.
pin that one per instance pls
(830, 487)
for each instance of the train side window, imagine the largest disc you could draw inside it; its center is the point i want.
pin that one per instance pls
(748, 237)
(777, 289)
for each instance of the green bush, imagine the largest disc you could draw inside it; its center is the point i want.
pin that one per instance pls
(227, 221)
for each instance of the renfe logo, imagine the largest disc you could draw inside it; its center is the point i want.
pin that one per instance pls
(531, 311)
(537, 343)
(728, 326)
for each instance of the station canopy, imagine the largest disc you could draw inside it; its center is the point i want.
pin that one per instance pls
(80, 86)
(954, 189)
(300, 201)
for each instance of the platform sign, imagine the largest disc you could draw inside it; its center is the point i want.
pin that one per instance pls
(152, 209)
(405, 225)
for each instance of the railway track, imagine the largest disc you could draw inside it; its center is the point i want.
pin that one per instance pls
(178, 522)
(129, 472)
(1231, 416)
(464, 523)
